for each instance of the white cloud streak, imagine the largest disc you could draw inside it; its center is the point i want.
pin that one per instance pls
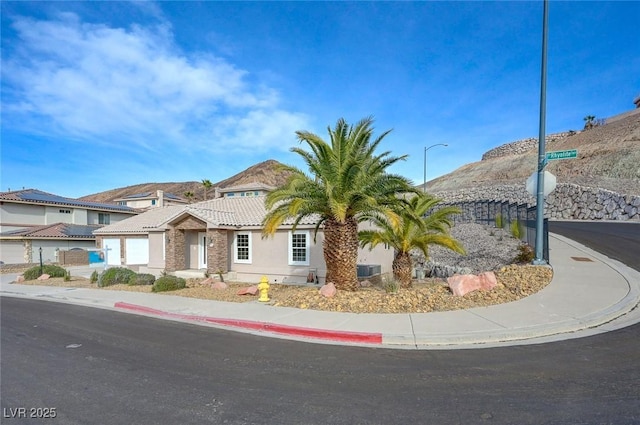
(117, 86)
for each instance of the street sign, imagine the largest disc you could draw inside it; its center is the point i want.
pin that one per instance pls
(570, 154)
(549, 183)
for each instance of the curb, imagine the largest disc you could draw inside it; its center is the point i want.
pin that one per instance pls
(342, 336)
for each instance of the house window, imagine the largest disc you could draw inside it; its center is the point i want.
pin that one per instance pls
(299, 248)
(153, 202)
(242, 248)
(103, 218)
(65, 211)
(122, 202)
(230, 194)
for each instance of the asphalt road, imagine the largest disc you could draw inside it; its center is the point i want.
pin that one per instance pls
(98, 366)
(620, 241)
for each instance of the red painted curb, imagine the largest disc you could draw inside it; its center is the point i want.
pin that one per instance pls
(354, 337)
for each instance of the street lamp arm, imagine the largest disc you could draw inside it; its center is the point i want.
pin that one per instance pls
(424, 187)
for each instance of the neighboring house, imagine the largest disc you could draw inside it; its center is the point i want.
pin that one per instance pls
(150, 200)
(250, 189)
(223, 235)
(31, 219)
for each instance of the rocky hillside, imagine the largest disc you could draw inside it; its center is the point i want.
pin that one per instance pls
(608, 158)
(266, 172)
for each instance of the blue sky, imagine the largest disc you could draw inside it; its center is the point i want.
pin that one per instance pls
(100, 95)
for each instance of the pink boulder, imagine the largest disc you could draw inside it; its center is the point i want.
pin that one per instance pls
(328, 290)
(365, 284)
(219, 285)
(207, 281)
(44, 277)
(251, 290)
(462, 284)
(20, 279)
(488, 281)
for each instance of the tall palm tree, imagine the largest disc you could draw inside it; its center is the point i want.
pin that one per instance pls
(206, 184)
(348, 183)
(407, 234)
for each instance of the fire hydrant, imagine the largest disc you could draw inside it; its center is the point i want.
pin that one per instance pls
(263, 287)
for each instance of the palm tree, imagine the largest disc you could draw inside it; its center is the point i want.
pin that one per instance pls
(407, 234)
(189, 196)
(589, 121)
(348, 183)
(206, 184)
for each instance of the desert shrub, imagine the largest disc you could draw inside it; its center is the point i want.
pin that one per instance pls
(142, 279)
(499, 221)
(390, 285)
(516, 229)
(67, 276)
(525, 255)
(114, 276)
(51, 270)
(94, 277)
(168, 283)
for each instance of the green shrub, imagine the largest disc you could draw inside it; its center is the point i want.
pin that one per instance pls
(142, 279)
(114, 276)
(499, 222)
(94, 277)
(526, 254)
(53, 271)
(168, 283)
(516, 229)
(67, 276)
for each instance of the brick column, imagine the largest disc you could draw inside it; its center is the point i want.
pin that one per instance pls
(174, 250)
(218, 254)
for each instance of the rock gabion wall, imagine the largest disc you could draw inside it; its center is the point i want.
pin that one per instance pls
(568, 201)
(521, 146)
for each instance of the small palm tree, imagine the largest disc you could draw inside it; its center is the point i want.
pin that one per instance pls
(589, 121)
(189, 196)
(409, 234)
(206, 184)
(348, 183)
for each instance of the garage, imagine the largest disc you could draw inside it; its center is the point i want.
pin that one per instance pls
(137, 251)
(12, 252)
(113, 251)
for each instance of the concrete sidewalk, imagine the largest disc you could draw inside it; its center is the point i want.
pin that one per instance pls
(589, 294)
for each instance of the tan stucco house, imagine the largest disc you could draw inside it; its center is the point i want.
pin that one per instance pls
(224, 234)
(34, 222)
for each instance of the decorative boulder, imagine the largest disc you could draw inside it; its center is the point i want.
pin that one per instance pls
(461, 285)
(20, 279)
(328, 290)
(219, 285)
(44, 277)
(365, 284)
(488, 281)
(251, 290)
(207, 281)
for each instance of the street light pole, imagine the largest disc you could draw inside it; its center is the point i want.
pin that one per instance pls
(424, 184)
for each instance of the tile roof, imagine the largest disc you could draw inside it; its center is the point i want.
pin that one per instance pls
(55, 231)
(34, 196)
(247, 186)
(219, 212)
(154, 218)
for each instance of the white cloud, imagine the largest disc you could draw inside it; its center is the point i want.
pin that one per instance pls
(121, 86)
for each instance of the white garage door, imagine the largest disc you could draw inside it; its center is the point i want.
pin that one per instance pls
(137, 251)
(12, 252)
(113, 254)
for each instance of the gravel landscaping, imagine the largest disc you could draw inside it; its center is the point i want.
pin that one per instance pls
(488, 249)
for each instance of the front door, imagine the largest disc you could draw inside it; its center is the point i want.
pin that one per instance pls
(202, 250)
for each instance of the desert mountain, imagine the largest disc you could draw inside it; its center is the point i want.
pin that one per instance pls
(608, 158)
(266, 172)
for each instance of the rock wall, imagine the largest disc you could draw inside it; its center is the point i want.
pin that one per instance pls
(568, 201)
(521, 146)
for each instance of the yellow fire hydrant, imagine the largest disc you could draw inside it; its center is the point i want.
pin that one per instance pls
(263, 287)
